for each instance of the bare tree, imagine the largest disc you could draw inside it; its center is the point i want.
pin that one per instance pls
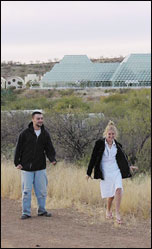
(74, 134)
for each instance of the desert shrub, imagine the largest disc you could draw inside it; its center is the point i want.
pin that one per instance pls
(66, 92)
(135, 129)
(144, 157)
(67, 104)
(124, 90)
(23, 104)
(7, 95)
(74, 134)
(110, 90)
(115, 98)
(11, 125)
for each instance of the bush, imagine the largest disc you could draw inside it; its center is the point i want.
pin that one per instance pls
(74, 133)
(115, 98)
(144, 157)
(7, 95)
(66, 104)
(66, 92)
(23, 104)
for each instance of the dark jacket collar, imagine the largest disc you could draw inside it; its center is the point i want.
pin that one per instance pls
(31, 128)
(116, 142)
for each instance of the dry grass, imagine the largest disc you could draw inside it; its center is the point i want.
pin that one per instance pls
(68, 187)
(10, 181)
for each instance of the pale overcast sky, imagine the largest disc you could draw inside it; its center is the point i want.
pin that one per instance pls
(44, 30)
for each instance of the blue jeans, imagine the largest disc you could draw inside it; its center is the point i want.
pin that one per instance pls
(38, 179)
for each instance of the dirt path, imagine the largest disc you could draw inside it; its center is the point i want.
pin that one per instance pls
(66, 229)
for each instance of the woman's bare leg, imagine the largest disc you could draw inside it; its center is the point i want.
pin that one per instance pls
(118, 196)
(109, 205)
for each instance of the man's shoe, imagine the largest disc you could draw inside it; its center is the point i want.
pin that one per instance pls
(46, 214)
(25, 216)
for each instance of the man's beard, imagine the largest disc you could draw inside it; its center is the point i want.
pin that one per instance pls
(39, 125)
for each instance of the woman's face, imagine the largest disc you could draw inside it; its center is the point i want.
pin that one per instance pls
(110, 135)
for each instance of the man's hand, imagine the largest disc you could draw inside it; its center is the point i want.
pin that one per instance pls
(19, 166)
(54, 162)
(133, 168)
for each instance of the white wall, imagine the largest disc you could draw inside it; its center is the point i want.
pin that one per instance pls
(31, 77)
(13, 81)
(3, 83)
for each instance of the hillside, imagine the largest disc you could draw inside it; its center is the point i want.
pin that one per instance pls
(14, 69)
(18, 69)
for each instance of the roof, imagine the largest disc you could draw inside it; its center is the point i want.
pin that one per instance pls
(74, 68)
(134, 67)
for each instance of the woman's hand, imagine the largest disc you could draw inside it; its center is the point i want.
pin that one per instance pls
(133, 168)
(54, 163)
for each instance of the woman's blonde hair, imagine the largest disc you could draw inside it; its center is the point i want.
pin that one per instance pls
(110, 126)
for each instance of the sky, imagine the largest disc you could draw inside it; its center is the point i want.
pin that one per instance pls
(47, 30)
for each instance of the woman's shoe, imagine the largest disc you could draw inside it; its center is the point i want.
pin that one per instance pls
(109, 216)
(119, 221)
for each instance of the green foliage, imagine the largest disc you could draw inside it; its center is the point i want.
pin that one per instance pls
(84, 161)
(110, 90)
(20, 83)
(130, 110)
(144, 157)
(115, 98)
(66, 92)
(7, 95)
(28, 104)
(135, 129)
(28, 84)
(8, 152)
(67, 104)
(35, 84)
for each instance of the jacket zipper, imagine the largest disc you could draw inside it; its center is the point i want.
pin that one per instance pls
(30, 165)
(34, 152)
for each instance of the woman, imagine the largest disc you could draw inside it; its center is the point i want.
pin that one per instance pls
(110, 163)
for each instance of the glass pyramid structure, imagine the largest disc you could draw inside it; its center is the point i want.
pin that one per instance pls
(80, 71)
(134, 70)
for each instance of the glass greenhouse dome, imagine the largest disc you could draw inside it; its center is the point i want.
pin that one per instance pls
(134, 70)
(80, 71)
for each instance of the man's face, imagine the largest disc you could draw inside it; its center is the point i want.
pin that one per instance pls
(37, 120)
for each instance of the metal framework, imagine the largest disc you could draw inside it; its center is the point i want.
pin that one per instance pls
(79, 71)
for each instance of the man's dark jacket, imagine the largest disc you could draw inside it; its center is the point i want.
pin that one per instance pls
(96, 157)
(31, 151)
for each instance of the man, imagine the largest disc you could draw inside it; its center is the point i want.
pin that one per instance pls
(34, 144)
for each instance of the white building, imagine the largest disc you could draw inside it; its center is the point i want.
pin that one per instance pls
(3, 83)
(32, 78)
(15, 81)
